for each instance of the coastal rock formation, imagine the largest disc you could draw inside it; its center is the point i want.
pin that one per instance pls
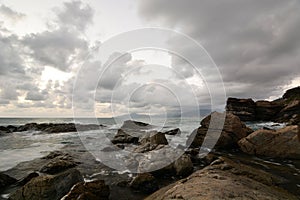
(233, 130)
(285, 109)
(94, 190)
(282, 143)
(47, 187)
(183, 166)
(144, 182)
(243, 108)
(225, 179)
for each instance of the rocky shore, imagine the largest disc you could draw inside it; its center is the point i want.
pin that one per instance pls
(244, 163)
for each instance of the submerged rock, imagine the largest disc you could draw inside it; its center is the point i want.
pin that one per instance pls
(282, 143)
(94, 190)
(225, 179)
(48, 187)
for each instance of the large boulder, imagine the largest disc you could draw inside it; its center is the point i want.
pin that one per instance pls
(225, 179)
(123, 137)
(94, 190)
(282, 143)
(183, 165)
(233, 130)
(48, 187)
(243, 108)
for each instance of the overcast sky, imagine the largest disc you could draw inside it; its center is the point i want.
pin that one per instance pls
(44, 44)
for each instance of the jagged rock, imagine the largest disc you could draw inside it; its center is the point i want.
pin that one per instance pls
(145, 183)
(6, 180)
(243, 108)
(233, 130)
(123, 137)
(282, 143)
(266, 110)
(225, 179)
(94, 190)
(48, 187)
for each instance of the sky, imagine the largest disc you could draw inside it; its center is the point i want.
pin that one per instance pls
(50, 54)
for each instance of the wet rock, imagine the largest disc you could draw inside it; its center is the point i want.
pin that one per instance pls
(58, 164)
(123, 137)
(48, 187)
(227, 137)
(94, 190)
(6, 181)
(154, 138)
(243, 108)
(144, 182)
(27, 178)
(282, 143)
(225, 179)
(175, 131)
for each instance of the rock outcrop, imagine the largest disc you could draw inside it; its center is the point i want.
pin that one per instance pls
(282, 143)
(225, 179)
(94, 190)
(47, 187)
(233, 130)
(285, 109)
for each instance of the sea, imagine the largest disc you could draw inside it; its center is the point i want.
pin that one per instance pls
(18, 147)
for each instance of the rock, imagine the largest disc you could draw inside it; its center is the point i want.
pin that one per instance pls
(243, 108)
(28, 178)
(55, 154)
(183, 166)
(144, 182)
(175, 131)
(233, 130)
(225, 179)
(154, 138)
(47, 187)
(293, 93)
(6, 180)
(266, 110)
(285, 109)
(58, 164)
(122, 137)
(282, 143)
(94, 190)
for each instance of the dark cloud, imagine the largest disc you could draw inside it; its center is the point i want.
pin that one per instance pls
(256, 45)
(59, 48)
(10, 14)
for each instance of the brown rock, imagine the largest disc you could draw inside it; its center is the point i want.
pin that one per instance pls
(94, 190)
(47, 187)
(233, 130)
(282, 143)
(225, 179)
(183, 166)
(243, 108)
(144, 182)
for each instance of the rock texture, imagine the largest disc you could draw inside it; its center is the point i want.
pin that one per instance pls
(233, 130)
(285, 109)
(144, 182)
(225, 179)
(94, 190)
(282, 143)
(47, 187)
